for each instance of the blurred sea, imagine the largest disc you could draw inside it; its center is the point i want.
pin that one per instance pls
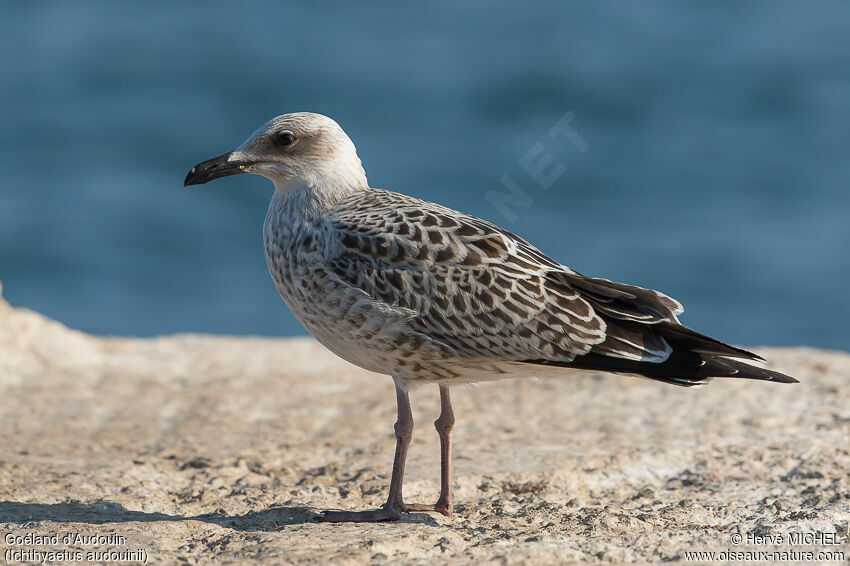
(716, 165)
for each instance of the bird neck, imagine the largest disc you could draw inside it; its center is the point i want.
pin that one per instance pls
(307, 200)
(320, 187)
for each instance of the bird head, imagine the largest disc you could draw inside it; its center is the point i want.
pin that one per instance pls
(301, 149)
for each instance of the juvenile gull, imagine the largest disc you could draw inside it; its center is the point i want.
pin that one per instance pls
(427, 294)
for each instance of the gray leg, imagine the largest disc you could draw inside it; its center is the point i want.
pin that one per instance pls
(392, 509)
(444, 424)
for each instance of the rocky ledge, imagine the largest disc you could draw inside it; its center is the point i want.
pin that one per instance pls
(199, 448)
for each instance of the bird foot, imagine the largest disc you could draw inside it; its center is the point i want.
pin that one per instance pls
(441, 507)
(384, 513)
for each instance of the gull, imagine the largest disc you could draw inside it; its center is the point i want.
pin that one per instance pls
(429, 295)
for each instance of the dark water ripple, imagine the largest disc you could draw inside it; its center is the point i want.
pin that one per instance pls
(716, 169)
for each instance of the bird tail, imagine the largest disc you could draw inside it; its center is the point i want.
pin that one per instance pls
(684, 368)
(707, 358)
(695, 359)
(716, 367)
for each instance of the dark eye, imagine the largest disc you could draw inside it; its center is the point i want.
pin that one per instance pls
(284, 139)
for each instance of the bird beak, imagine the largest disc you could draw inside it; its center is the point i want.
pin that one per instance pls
(211, 169)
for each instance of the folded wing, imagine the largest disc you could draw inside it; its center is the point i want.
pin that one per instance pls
(489, 294)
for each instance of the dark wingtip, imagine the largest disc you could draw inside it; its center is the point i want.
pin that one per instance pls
(746, 371)
(782, 378)
(752, 372)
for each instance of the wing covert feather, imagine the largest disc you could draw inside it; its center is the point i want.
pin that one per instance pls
(484, 291)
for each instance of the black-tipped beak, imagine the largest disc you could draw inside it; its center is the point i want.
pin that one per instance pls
(214, 168)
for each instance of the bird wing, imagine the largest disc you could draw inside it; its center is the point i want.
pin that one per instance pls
(486, 292)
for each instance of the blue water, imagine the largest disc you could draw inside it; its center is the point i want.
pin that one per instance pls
(716, 163)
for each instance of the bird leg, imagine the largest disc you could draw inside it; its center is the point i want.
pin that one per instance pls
(392, 509)
(444, 424)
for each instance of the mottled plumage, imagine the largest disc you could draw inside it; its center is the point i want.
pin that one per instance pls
(427, 294)
(407, 287)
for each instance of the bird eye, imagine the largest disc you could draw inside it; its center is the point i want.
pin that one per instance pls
(284, 139)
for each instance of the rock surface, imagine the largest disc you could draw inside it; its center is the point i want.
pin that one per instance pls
(200, 448)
